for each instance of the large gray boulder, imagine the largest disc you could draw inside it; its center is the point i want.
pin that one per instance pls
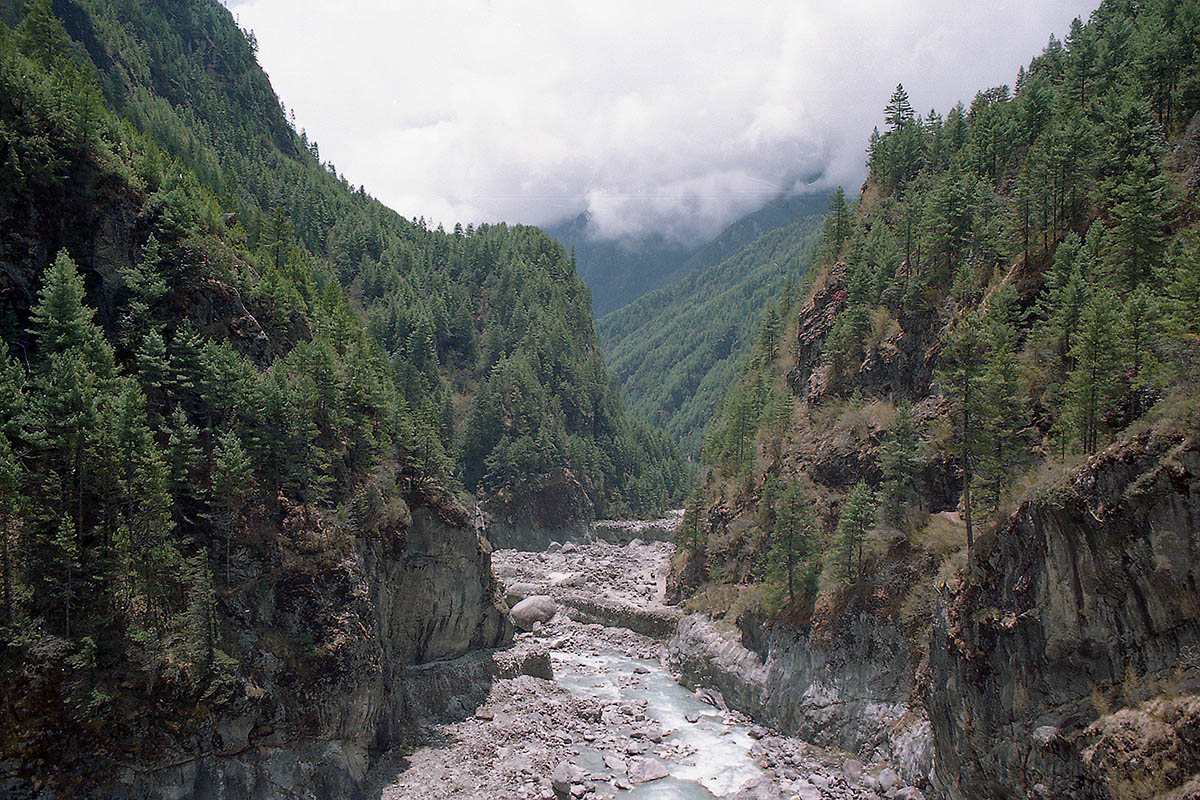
(531, 610)
(516, 592)
(644, 770)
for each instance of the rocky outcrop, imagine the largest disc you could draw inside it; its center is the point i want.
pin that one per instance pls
(647, 618)
(852, 692)
(622, 532)
(531, 537)
(309, 726)
(527, 533)
(1081, 608)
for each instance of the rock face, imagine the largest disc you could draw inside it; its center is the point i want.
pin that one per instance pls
(852, 692)
(623, 532)
(530, 532)
(1060, 671)
(408, 598)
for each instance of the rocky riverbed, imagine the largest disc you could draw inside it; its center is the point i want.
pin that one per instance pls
(613, 722)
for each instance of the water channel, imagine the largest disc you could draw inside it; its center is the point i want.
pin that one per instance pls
(720, 762)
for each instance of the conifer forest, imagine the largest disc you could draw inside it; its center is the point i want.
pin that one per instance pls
(882, 484)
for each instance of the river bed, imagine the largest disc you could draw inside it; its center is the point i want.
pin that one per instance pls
(715, 753)
(612, 724)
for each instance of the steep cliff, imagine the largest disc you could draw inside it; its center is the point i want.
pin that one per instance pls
(308, 724)
(1080, 623)
(853, 692)
(224, 535)
(323, 629)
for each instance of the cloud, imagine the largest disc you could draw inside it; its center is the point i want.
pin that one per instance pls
(671, 117)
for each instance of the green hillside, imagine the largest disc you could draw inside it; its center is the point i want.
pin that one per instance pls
(471, 320)
(677, 350)
(1015, 289)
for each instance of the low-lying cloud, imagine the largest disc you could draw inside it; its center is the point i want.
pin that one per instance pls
(667, 117)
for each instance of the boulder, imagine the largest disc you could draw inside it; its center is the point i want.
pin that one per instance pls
(852, 769)
(538, 608)
(564, 776)
(516, 592)
(886, 780)
(644, 770)
(759, 789)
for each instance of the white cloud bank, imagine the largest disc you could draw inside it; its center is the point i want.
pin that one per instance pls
(669, 116)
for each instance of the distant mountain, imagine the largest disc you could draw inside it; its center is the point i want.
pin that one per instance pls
(617, 272)
(676, 350)
(621, 272)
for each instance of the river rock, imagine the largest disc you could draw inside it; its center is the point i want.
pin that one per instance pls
(759, 789)
(516, 592)
(538, 608)
(564, 776)
(852, 770)
(886, 780)
(615, 762)
(644, 770)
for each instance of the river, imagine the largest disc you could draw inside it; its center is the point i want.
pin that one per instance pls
(613, 722)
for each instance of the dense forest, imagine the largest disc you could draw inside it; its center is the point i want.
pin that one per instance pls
(1017, 287)
(471, 321)
(676, 351)
(223, 367)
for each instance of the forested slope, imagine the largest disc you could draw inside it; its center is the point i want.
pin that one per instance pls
(677, 350)
(621, 271)
(974, 431)
(236, 399)
(471, 320)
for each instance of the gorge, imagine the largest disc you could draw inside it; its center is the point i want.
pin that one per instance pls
(887, 493)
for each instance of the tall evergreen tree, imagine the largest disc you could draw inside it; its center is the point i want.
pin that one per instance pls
(901, 463)
(1093, 386)
(858, 516)
(899, 110)
(963, 358)
(793, 545)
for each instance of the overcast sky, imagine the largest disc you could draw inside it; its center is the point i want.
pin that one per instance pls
(671, 116)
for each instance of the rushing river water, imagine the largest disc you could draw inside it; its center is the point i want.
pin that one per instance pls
(721, 762)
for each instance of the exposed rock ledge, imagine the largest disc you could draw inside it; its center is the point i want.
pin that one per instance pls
(1069, 668)
(423, 594)
(851, 693)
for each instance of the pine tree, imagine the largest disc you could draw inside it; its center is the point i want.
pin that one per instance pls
(837, 223)
(963, 361)
(1141, 332)
(899, 110)
(232, 486)
(63, 322)
(793, 545)
(691, 532)
(858, 516)
(41, 34)
(1003, 410)
(63, 570)
(900, 461)
(201, 616)
(1139, 235)
(1093, 385)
